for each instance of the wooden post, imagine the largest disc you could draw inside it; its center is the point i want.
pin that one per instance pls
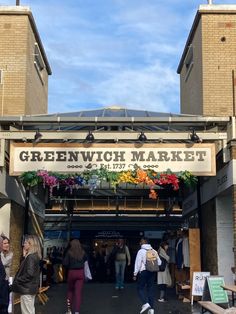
(17, 2)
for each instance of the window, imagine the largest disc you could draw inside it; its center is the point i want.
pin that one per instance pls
(38, 57)
(38, 61)
(188, 61)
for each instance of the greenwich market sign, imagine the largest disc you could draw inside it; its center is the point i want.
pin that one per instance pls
(199, 159)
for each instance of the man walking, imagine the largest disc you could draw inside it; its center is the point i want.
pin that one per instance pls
(145, 278)
(121, 254)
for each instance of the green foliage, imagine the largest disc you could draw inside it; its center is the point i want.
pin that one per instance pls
(30, 178)
(188, 178)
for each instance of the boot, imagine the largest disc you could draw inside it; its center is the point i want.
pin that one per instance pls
(162, 295)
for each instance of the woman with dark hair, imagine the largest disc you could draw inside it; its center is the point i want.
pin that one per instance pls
(163, 277)
(74, 261)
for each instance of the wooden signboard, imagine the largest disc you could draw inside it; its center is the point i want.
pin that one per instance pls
(198, 283)
(213, 290)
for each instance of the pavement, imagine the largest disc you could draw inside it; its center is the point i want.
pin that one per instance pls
(102, 298)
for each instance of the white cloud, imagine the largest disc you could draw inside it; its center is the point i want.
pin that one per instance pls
(106, 52)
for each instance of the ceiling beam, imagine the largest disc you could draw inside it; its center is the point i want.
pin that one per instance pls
(113, 120)
(112, 136)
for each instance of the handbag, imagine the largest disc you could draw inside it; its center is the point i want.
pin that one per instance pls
(87, 272)
(163, 265)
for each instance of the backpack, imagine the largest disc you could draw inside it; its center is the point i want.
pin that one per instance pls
(151, 261)
(162, 267)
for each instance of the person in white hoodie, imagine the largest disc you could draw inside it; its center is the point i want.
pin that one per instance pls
(145, 278)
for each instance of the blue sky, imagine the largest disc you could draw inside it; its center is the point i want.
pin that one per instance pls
(114, 52)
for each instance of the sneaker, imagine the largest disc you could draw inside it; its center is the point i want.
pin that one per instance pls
(122, 287)
(145, 307)
(117, 287)
(151, 311)
(161, 300)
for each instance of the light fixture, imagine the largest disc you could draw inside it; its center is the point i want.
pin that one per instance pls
(24, 139)
(90, 137)
(37, 136)
(194, 137)
(142, 137)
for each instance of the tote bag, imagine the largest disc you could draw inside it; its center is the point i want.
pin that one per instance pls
(87, 272)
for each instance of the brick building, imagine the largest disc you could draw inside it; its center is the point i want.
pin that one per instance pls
(207, 87)
(24, 67)
(207, 78)
(24, 71)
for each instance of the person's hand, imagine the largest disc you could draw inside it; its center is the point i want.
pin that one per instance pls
(128, 264)
(134, 278)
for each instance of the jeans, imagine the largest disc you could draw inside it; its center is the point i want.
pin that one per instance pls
(27, 304)
(145, 287)
(120, 273)
(162, 288)
(75, 281)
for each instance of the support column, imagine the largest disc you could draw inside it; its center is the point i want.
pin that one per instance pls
(199, 211)
(234, 225)
(27, 200)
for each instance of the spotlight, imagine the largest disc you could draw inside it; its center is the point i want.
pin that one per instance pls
(37, 136)
(90, 137)
(194, 137)
(142, 137)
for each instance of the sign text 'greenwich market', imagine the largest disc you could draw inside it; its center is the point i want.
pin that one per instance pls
(197, 158)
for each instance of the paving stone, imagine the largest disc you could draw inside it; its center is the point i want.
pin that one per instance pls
(102, 298)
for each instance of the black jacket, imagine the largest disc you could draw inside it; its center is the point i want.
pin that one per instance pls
(4, 288)
(72, 263)
(26, 280)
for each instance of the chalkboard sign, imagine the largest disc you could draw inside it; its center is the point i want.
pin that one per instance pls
(213, 291)
(198, 282)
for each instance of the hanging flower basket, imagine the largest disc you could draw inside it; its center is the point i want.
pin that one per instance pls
(92, 179)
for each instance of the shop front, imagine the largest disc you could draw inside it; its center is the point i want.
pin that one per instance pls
(102, 190)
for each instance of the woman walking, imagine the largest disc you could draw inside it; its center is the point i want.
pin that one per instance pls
(26, 281)
(74, 261)
(163, 277)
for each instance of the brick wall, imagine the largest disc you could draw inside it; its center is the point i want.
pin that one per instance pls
(36, 81)
(209, 88)
(191, 92)
(219, 59)
(22, 91)
(16, 233)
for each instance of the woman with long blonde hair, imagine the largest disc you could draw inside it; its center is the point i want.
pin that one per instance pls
(26, 281)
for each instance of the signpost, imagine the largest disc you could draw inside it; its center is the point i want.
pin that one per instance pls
(198, 283)
(213, 290)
